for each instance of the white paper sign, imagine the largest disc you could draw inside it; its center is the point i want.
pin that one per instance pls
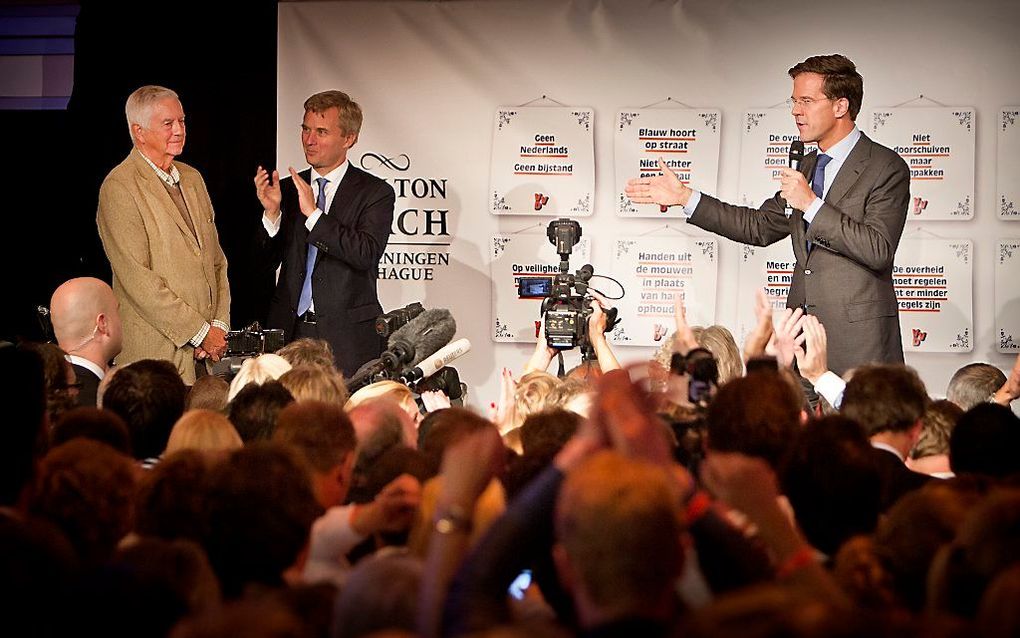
(1007, 199)
(1007, 295)
(938, 146)
(769, 269)
(528, 257)
(933, 283)
(686, 139)
(655, 269)
(764, 149)
(543, 162)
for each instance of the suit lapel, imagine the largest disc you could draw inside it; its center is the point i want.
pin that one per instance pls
(341, 199)
(852, 168)
(191, 201)
(166, 206)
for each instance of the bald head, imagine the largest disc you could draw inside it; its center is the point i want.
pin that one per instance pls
(85, 319)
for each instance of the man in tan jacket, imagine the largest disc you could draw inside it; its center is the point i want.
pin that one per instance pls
(156, 222)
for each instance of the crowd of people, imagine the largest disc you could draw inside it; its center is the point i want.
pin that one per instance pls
(619, 500)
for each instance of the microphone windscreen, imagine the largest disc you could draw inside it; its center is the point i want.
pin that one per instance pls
(426, 333)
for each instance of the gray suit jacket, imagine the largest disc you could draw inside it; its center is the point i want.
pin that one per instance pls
(846, 279)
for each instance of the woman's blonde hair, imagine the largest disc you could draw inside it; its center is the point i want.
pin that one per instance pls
(203, 430)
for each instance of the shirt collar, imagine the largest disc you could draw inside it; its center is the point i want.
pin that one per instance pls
(171, 177)
(88, 365)
(334, 176)
(888, 448)
(841, 149)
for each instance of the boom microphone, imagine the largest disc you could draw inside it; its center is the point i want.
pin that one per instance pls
(796, 157)
(441, 358)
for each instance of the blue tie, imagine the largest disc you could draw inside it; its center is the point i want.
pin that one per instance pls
(818, 185)
(818, 181)
(305, 300)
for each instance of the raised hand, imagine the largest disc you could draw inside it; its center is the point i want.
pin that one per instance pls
(267, 188)
(306, 198)
(786, 337)
(812, 355)
(685, 341)
(757, 340)
(665, 189)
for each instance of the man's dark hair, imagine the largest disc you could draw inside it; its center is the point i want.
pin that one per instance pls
(973, 384)
(92, 423)
(255, 409)
(149, 395)
(986, 441)
(86, 489)
(261, 509)
(548, 430)
(172, 497)
(757, 415)
(448, 427)
(832, 482)
(321, 432)
(885, 397)
(841, 79)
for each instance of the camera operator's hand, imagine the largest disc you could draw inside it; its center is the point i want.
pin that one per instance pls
(434, 400)
(597, 335)
(543, 354)
(758, 338)
(684, 341)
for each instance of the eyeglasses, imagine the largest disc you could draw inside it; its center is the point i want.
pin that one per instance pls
(805, 102)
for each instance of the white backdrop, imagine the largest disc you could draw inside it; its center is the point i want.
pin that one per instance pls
(430, 75)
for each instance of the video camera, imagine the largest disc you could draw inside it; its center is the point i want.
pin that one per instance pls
(387, 324)
(566, 304)
(244, 344)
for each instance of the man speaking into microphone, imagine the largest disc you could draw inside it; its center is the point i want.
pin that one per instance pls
(328, 226)
(847, 207)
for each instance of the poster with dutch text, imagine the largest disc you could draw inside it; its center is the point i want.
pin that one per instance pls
(1007, 295)
(653, 271)
(543, 162)
(521, 270)
(764, 149)
(1007, 189)
(769, 269)
(687, 140)
(933, 283)
(938, 146)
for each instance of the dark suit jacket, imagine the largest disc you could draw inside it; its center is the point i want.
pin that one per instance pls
(897, 479)
(89, 386)
(351, 239)
(846, 280)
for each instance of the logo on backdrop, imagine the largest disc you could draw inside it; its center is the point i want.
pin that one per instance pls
(919, 337)
(419, 246)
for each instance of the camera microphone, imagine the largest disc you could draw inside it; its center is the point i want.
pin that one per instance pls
(434, 362)
(419, 338)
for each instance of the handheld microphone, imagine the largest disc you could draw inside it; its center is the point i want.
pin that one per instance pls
(796, 157)
(441, 358)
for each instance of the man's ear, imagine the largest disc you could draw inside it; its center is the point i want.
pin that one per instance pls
(841, 107)
(103, 324)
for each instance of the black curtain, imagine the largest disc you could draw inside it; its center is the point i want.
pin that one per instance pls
(55, 161)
